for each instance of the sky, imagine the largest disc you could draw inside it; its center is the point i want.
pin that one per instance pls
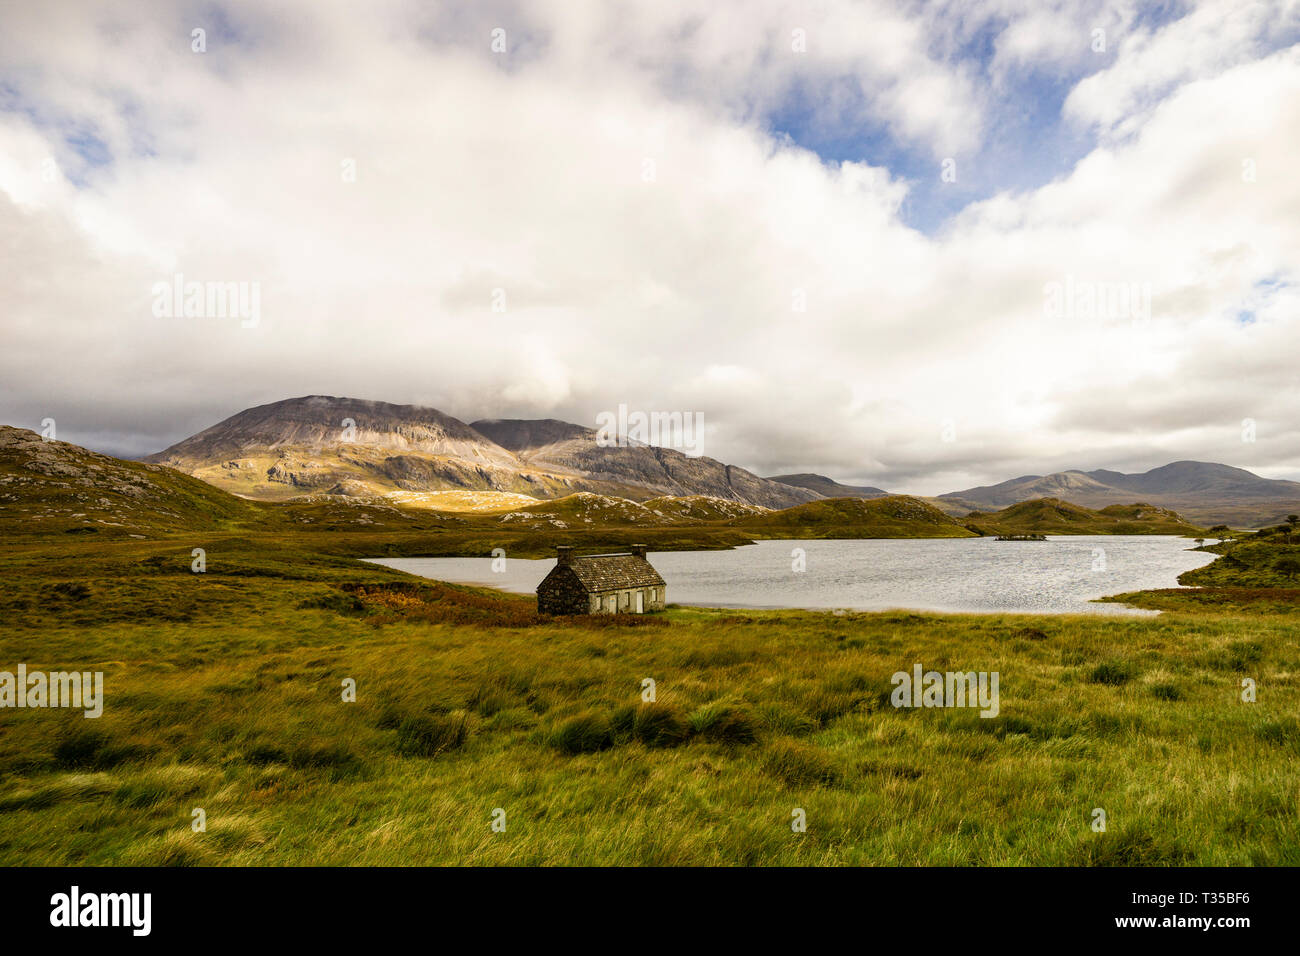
(921, 246)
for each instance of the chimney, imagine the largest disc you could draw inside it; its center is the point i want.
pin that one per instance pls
(638, 551)
(563, 554)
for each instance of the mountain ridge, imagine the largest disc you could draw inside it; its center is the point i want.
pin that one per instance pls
(296, 446)
(829, 487)
(364, 448)
(1202, 492)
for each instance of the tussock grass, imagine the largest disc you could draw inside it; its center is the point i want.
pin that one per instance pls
(1113, 673)
(798, 764)
(1166, 691)
(658, 725)
(428, 735)
(724, 723)
(586, 733)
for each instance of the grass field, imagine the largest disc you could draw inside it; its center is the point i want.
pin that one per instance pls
(223, 691)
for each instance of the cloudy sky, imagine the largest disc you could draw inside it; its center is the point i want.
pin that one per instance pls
(866, 239)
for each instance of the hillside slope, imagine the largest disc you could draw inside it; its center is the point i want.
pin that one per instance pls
(1054, 516)
(55, 487)
(898, 516)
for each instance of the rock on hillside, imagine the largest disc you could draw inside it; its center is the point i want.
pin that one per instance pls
(584, 510)
(702, 508)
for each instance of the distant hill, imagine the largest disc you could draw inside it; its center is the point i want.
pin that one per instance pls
(1202, 492)
(54, 487)
(583, 510)
(828, 487)
(702, 508)
(1053, 516)
(897, 516)
(367, 449)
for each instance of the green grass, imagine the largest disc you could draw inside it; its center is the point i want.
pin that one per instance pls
(898, 516)
(1054, 516)
(223, 691)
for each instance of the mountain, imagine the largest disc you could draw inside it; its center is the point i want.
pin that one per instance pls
(522, 434)
(1071, 485)
(357, 448)
(563, 449)
(828, 487)
(305, 445)
(318, 421)
(1201, 492)
(1199, 477)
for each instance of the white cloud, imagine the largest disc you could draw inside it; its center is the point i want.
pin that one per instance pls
(1215, 36)
(475, 173)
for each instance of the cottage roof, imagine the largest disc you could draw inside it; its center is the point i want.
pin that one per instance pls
(609, 572)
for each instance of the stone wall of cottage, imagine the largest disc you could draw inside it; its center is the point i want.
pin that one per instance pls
(623, 601)
(566, 596)
(563, 596)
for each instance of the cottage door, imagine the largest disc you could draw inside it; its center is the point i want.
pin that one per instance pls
(640, 599)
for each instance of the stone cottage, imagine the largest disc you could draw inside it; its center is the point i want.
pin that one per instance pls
(601, 584)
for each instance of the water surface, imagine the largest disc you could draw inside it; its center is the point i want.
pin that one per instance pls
(1059, 576)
